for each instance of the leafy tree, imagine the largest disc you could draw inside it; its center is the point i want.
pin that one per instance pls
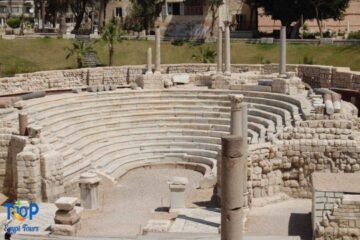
(205, 55)
(286, 11)
(79, 49)
(59, 8)
(78, 7)
(111, 35)
(146, 11)
(14, 22)
(102, 11)
(289, 11)
(325, 9)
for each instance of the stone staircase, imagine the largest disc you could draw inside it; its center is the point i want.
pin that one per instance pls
(90, 58)
(115, 132)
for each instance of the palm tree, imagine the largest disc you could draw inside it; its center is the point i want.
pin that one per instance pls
(205, 55)
(111, 35)
(79, 49)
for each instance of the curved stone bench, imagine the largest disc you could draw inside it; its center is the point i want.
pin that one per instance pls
(117, 131)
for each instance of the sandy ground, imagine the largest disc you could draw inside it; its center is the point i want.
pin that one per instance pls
(126, 207)
(288, 218)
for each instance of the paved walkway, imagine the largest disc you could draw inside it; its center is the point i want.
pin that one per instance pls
(127, 207)
(288, 218)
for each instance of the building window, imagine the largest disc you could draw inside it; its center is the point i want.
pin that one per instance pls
(28, 10)
(3, 10)
(194, 7)
(118, 12)
(15, 10)
(174, 8)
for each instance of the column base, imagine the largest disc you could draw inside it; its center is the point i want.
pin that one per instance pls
(227, 73)
(148, 72)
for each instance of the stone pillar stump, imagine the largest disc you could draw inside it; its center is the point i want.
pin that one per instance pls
(88, 184)
(177, 187)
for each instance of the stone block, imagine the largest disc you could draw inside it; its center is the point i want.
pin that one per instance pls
(66, 203)
(66, 217)
(157, 226)
(64, 230)
(34, 131)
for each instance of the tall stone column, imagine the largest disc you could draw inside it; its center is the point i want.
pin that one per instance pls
(23, 123)
(239, 127)
(232, 198)
(227, 49)
(149, 61)
(282, 67)
(157, 51)
(219, 51)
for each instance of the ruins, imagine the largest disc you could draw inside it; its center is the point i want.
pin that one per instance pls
(289, 132)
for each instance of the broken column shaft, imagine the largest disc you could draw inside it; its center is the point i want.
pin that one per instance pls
(157, 50)
(232, 198)
(239, 127)
(149, 61)
(227, 50)
(23, 123)
(219, 51)
(282, 67)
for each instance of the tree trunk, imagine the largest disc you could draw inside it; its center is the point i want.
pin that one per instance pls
(79, 14)
(79, 62)
(251, 18)
(318, 21)
(256, 19)
(102, 12)
(63, 26)
(111, 55)
(213, 20)
(295, 30)
(42, 13)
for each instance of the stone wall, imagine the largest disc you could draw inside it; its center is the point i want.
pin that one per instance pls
(313, 146)
(315, 75)
(316, 146)
(33, 170)
(342, 221)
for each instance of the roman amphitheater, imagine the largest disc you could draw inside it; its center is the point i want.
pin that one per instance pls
(61, 128)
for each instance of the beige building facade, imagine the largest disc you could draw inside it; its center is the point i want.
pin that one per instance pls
(180, 19)
(350, 22)
(15, 8)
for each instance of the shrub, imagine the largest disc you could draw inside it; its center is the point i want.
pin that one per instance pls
(264, 60)
(205, 55)
(308, 60)
(309, 35)
(354, 35)
(13, 22)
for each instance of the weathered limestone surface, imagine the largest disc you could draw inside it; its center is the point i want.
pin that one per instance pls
(177, 126)
(342, 220)
(315, 75)
(88, 184)
(66, 217)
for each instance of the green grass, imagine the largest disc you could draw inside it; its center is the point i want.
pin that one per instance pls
(18, 56)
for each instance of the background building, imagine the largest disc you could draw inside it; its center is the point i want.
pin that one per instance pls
(15, 8)
(351, 20)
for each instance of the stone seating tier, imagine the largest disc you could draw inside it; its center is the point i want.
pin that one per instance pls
(114, 132)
